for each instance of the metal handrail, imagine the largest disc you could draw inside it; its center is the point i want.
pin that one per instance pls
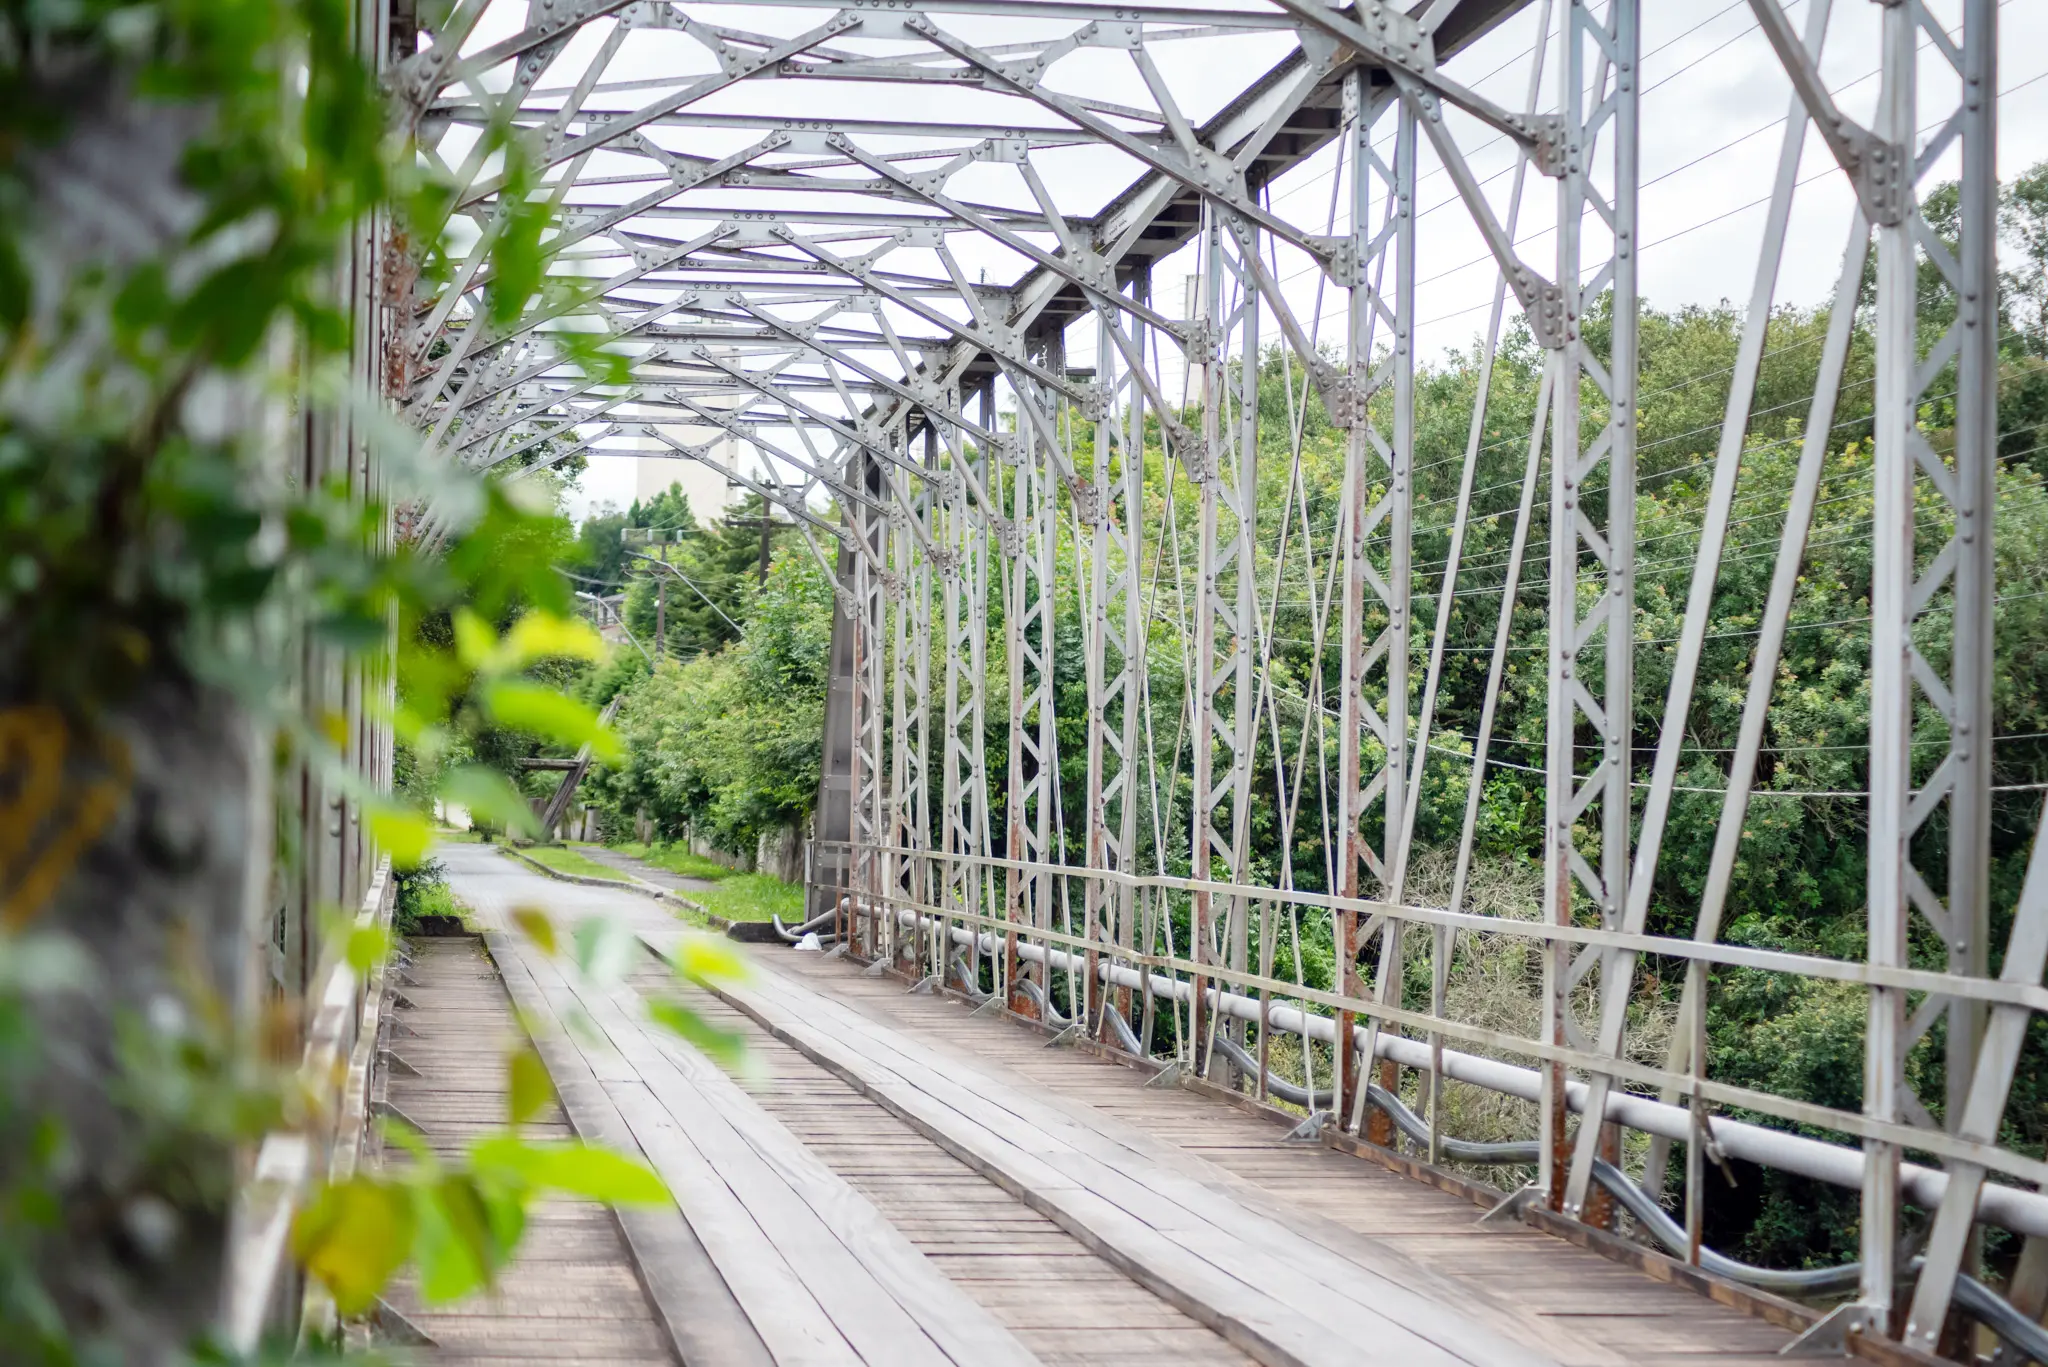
(1735, 1138)
(2011, 1207)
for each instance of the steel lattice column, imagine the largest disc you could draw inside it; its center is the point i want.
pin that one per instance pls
(909, 593)
(866, 610)
(1590, 521)
(963, 579)
(1029, 534)
(1377, 528)
(1906, 787)
(1227, 605)
(1116, 648)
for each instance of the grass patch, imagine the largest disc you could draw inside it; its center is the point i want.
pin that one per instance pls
(737, 896)
(449, 835)
(752, 897)
(569, 861)
(423, 892)
(676, 859)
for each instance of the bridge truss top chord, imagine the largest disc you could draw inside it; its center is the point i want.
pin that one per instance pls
(859, 240)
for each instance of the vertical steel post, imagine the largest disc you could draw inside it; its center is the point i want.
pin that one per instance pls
(1353, 710)
(1976, 1095)
(962, 580)
(1399, 596)
(1376, 523)
(908, 591)
(869, 814)
(1127, 523)
(1114, 651)
(1224, 706)
(1976, 469)
(1244, 494)
(1601, 55)
(833, 825)
(1891, 719)
(1613, 45)
(1203, 839)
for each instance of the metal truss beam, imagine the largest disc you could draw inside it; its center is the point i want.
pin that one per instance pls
(870, 277)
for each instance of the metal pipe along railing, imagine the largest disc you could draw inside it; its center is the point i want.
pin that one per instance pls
(2012, 1208)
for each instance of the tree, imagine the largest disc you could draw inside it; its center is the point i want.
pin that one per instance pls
(600, 551)
(717, 572)
(727, 743)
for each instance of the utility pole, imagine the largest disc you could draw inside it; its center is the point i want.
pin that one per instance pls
(661, 613)
(767, 525)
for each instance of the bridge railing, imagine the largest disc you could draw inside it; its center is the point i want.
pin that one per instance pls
(264, 1294)
(1109, 954)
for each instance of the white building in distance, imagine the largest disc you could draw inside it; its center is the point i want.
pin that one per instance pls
(708, 490)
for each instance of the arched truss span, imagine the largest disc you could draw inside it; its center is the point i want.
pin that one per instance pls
(850, 250)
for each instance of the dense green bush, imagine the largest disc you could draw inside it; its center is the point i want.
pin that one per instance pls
(726, 745)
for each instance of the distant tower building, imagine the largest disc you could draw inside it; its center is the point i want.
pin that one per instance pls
(709, 493)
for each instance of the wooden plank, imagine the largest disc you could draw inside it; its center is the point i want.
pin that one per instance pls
(1395, 1285)
(1401, 1287)
(700, 1311)
(1013, 1259)
(962, 1329)
(572, 1279)
(865, 1146)
(795, 1330)
(1363, 1215)
(1385, 1199)
(888, 1302)
(1260, 1303)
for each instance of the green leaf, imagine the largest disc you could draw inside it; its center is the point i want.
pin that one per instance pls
(543, 711)
(538, 928)
(354, 1237)
(474, 639)
(527, 1088)
(604, 948)
(579, 1169)
(488, 793)
(707, 959)
(726, 1048)
(401, 1135)
(543, 636)
(400, 832)
(367, 946)
(456, 1247)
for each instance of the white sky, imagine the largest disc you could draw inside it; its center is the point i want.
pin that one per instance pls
(1712, 108)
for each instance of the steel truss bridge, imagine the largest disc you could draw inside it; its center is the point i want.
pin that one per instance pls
(850, 249)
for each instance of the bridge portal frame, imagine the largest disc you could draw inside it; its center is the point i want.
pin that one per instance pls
(767, 325)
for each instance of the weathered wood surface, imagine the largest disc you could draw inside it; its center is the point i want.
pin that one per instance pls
(571, 1295)
(1286, 1298)
(820, 1274)
(1567, 1302)
(890, 1138)
(1062, 1301)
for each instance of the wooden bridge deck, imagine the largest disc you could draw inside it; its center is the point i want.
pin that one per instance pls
(573, 1295)
(901, 1182)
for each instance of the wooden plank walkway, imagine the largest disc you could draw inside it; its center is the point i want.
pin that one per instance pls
(1063, 1302)
(572, 1294)
(906, 1183)
(1544, 1293)
(794, 1221)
